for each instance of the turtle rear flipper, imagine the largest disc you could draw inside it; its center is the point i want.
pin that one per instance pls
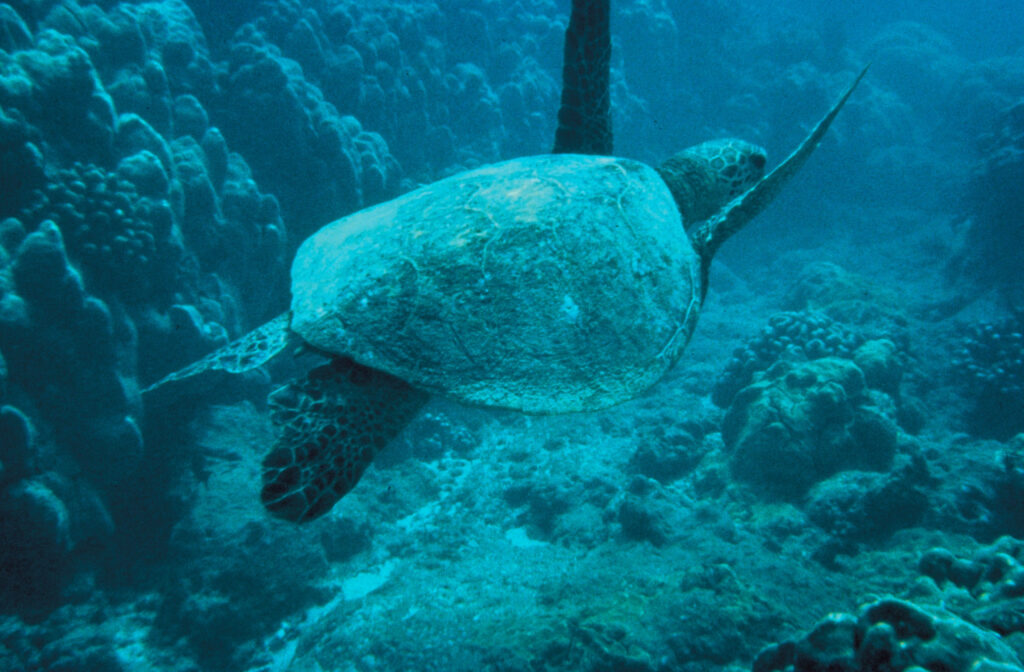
(250, 351)
(331, 425)
(585, 118)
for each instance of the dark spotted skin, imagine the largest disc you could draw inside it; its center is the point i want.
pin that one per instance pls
(330, 424)
(585, 117)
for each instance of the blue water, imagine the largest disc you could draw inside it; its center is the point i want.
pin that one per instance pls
(977, 30)
(839, 451)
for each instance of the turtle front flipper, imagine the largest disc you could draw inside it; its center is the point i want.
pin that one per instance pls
(585, 118)
(331, 424)
(250, 351)
(708, 238)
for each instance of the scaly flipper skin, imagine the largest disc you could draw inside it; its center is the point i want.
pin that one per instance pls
(584, 118)
(250, 351)
(710, 236)
(331, 425)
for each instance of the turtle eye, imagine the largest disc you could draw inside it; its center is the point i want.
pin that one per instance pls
(758, 160)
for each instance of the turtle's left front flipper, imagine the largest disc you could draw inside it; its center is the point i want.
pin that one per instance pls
(330, 425)
(708, 238)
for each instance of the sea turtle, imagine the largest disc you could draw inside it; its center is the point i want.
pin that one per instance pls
(548, 284)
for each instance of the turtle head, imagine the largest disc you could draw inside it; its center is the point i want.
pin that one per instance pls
(705, 177)
(735, 212)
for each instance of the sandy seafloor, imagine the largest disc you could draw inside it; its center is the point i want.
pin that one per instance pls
(637, 538)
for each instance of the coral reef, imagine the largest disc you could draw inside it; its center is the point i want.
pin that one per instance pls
(823, 287)
(672, 451)
(161, 159)
(990, 368)
(113, 227)
(877, 345)
(858, 507)
(319, 163)
(793, 336)
(894, 635)
(147, 177)
(993, 577)
(803, 422)
(113, 231)
(962, 613)
(992, 206)
(977, 487)
(22, 169)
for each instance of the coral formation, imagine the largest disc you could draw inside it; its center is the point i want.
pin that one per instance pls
(892, 634)
(992, 235)
(994, 578)
(16, 438)
(112, 231)
(990, 366)
(792, 336)
(880, 354)
(671, 452)
(963, 614)
(803, 422)
(864, 506)
(876, 310)
(107, 231)
(161, 159)
(147, 177)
